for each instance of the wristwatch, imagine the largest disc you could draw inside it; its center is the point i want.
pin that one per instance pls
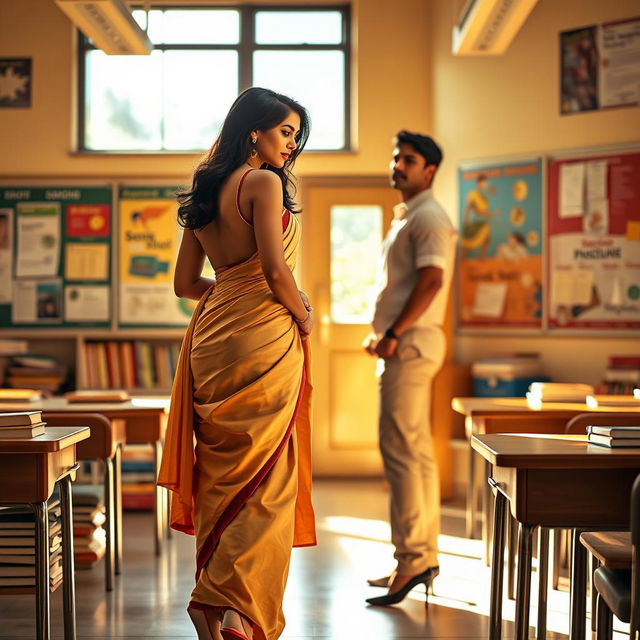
(390, 333)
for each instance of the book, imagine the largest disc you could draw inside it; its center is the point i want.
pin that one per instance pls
(614, 443)
(89, 395)
(615, 431)
(28, 432)
(603, 400)
(559, 392)
(20, 395)
(18, 418)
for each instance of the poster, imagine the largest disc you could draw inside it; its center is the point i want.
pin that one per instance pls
(15, 83)
(38, 245)
(148, 248)
(594, 255)
(600, 66)
(500, 267)
(6, 254)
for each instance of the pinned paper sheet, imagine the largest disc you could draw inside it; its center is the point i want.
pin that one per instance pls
(490, 298)
(572, 287)
(597, 180)
(86, 261)
(572, 189)
(596, 217)
(84, 303)
(38, 239)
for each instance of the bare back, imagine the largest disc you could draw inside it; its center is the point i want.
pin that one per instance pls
(230, 238)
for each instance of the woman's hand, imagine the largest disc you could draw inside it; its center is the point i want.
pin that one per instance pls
(305, 325)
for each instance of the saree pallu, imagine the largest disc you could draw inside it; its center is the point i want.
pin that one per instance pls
(242, 388)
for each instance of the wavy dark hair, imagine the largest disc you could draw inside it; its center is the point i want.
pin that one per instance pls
(255, 109)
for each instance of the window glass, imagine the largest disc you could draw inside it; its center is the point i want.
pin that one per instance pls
(298, 27)
(356, 236)
(199, 89)
(193, 26)
(289, 72)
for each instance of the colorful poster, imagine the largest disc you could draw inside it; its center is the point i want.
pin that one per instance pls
(594, 255)
(148, 250)
(600, 66)
(500, 266)
(88, 220)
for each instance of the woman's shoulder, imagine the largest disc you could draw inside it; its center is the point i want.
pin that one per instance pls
(262, 183)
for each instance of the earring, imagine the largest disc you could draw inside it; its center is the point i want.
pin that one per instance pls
(254, 140)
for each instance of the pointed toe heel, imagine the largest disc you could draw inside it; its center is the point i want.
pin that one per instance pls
(426, 578)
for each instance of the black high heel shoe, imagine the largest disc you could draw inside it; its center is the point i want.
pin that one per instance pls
(426, 578)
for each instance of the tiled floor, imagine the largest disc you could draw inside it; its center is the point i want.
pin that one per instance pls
(326, 589)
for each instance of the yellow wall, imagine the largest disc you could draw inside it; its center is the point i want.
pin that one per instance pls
(38, 141)
(498, 106)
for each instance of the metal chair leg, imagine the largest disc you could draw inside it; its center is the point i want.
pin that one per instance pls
(109, 559)
(557, 558)
(523, 595)
(497, 562)
(543, 579)
(578, 610)
(487, 512)
(43, 625)
(117, 477)
(594, 592)
(604, 630)
(158, 499)
(471, 496)
(511, 562)
(68, 584)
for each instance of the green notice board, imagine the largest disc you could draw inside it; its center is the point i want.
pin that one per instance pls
(55, 256)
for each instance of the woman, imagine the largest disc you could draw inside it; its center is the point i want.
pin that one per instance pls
(242, 383)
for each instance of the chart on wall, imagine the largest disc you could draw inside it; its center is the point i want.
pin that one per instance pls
(55, 256)
(500, 267)
(594, 242)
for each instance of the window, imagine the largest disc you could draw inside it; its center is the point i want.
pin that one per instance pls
(176, 98)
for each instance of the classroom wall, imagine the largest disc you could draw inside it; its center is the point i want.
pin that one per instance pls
(508, 105)
(39, 141)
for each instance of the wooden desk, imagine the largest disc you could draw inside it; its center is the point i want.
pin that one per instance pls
(29, 470)
(514, 415)
(553, 481)
(146, 421)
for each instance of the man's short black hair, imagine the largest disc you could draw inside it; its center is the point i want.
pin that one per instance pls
(424, 145)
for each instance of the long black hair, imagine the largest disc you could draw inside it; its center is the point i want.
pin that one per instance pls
(255, 109)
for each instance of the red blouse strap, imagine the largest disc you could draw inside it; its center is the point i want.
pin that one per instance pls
(246, 173)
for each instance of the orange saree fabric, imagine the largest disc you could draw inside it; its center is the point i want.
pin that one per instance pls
(242, 388)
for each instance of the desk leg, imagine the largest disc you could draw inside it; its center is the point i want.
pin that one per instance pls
(543, 579)
(41, 513)
(487, 504)
(523, 593)
(110, 524)
(117, 478)
(158, 504)
(68, 576)
(497, 564)
(578, 611)
(471, 496)
(511, 566)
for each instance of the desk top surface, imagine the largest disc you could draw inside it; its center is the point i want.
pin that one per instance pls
(53, 439)
(137, 404)
(485, 407)
(551, 451)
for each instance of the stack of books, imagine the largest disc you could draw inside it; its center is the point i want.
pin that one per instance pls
(558, 392)
(89, 537)
(17, 548)
(21, 424)
(33, 371)
(622, 375)
(614, 437)
(20, 395)
(138, 478)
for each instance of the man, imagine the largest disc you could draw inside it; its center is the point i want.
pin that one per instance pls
(414, 279)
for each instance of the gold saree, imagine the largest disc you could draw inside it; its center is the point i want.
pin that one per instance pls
(242, 388)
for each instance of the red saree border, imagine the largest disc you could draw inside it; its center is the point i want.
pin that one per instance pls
(247, 491)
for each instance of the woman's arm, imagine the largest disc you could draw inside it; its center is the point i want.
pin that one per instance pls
(265, 192)
(187, 281)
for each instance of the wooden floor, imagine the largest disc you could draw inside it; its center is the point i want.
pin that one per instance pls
(326, 589)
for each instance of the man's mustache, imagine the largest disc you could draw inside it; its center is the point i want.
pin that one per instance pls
(398, 174)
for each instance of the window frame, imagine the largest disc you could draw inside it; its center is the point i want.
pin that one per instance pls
(245, 49)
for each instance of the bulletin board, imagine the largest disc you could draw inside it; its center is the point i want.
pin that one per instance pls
(593, 252)
(500, 267)
(55, 256)
(148, 242)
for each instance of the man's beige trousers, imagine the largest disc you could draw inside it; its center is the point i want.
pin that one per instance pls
(409, 462)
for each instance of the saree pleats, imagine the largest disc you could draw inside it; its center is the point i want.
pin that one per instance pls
(242, 388)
